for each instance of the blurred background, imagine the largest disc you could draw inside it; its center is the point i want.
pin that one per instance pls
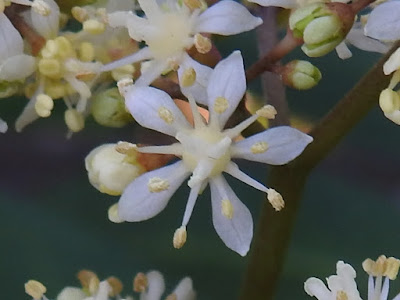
(54, 223)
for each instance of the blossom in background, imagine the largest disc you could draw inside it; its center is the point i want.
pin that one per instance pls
(169, 28)
(150, 286)
(206, 150)
(343, 286)
(384, 22)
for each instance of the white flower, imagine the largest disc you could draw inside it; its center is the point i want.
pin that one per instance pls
(384, 22)
(170, 28)
(206, 151)
(344, 287)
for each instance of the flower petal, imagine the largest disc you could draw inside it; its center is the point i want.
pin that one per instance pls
(47, 26)
(315, 287)
(151, 72)
(154, 109)
(358, 39)
(343, 51)
(29, 114)
(226, 18)
(384, 22)
(142, 54)
(3, 126)
(140, 201)
(278, 3)
(237, 232)
(199, 89)
(184, 290)
(228, 81)
(11, 42)
(156, 286)
(282, 144)
(17, 67)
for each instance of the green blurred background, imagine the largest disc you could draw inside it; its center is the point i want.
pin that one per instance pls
(54, 223)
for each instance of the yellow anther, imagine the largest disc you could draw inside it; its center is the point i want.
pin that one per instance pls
(157, 184)
(341, 295)
(85, 276)
(126, 148)
(123, 72)
(202, 43)
(116, 286)
(140, 283)
(113, 215)
(193, 4)
(50, 67)
(86, 52)
(389, 101)
(74, 120)
(50, 49)
(275, 199)
(380, 265)
(227, 208)
(80, 14)
(35, 289)
(165, 114)
(259, 147)
(43, 105)
(55, 89)
(172, 296)
(267, 111)
(180, 237)
(41, 7)
(392, 268)
(94, 284)
(368, 266)
(123, 85)
(93, 26)
(221, 105)
(188, 77)
(65, 48)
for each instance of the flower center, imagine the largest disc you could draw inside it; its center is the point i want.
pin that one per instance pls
(171, 35)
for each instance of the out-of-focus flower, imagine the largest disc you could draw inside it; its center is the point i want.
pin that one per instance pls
(384, 22)
(206, 151)
(169, 28)
(344, 287)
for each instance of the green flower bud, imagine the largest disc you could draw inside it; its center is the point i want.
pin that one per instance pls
(7, 89)
(108, 109)
(301, 75)
(321, 26)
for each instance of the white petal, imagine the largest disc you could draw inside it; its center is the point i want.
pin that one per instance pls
(10, 40)
(150, 8)
(228, 81)
(71, 293)
(393, 63)
(184, 290)
(47, 26)
(137, 27)
(29, 114)
(315, 287)
(343, 51)
(358, 39)
(199, 89)
(152, 72)
(17, 67)
(226, 18)
(284, 144)
(384, 22)
(142, 54)
(103, 291)
(148, 105)
(3, 126)
(237, 232)
(138, 203)
(278, 3)
(156, 286)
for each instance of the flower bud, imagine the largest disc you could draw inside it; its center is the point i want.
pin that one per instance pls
(110, 171)
(389, 101)
(108, 109)
(301, 75)
(321, 26)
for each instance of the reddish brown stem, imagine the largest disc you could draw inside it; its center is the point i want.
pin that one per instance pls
(360, 4)
(266, 63)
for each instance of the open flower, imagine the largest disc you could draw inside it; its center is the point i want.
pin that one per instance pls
(206, 150)
(169, 28)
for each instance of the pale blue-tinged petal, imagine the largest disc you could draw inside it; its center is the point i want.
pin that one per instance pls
(3, 126)
(154, 109)
(278, 3)
(236, 232)
(393, 63)
(156, 286)
(139, 203)
(184, 290)
(343, 51)
(384, 22)
(228, 80)
(357, 38)
(199, 89)
(11, 42)
(17, 67)
(47, 26)
(316, 288)
(226, 17)
(283, 143)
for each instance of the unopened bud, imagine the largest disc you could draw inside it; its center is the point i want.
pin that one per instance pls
(180, 237)
(74, 120)
(389, 101)
(275, 199)
(108, 109)
(301, 75)
(113, 215)
(35, 289)
(43, 105)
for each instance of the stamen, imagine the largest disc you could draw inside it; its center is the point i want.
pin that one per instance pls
(85, 276)
(180, 237)
(275, 199)
(140, 283)
(174, 149)
(35, 289)
(268, 111)
(80, 14)
(221, 105)
(188, 77)
(197, 118)
(234, 170)
(392, 268)
(165, 114)
(123, 85)
(203, 44)
(227, 208)
(74, 120)
(43, 105)
(259, 147)
(93, 26)
(126, 148)
(157, 185)
(194, 192)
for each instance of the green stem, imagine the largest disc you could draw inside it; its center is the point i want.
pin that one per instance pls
(274, 229)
